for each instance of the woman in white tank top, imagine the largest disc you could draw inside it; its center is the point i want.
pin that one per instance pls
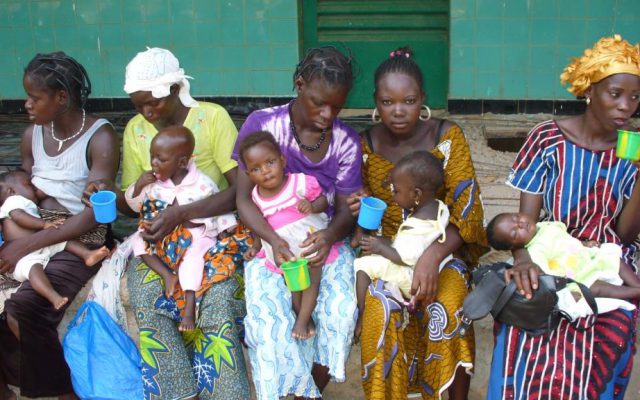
(63, 149)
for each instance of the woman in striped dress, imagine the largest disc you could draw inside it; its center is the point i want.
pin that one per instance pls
(568, 169)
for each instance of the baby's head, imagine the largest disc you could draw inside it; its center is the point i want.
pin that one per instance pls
(171, 149)
(509, 231)
(416, 178)
(16, 182)
(263, 160)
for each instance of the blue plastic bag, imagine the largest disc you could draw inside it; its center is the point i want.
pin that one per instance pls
(104, 361)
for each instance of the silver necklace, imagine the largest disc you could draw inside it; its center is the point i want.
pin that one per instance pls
(61, 141)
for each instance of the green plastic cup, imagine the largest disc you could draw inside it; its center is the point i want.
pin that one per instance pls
(296, 274)
(628, 145)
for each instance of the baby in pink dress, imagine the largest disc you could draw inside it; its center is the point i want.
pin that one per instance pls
(293, 204)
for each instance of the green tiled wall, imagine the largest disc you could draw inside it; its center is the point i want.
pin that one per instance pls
(230, 47)
(516, 49)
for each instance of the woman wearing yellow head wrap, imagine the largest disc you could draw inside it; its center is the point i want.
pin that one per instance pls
(569, 169)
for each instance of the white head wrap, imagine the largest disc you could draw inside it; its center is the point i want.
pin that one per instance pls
(155, 71)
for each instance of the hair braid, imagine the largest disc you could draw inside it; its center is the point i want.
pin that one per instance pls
(401, 61)
(58, 71)
(328, 64)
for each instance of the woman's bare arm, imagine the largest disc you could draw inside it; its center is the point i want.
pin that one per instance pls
(216, 204)
(425, 277)
(104, 155)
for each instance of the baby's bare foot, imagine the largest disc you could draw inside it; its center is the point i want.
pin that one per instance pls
(58, 301)
(95, 256)
(188, 323)
(299, 330)
(302, 330)
(170, 283)
(311, 328)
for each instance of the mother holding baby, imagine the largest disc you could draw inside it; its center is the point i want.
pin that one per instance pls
(568, 171)
(314, 142)
(419, 353)
(62, 150)
(207, 362)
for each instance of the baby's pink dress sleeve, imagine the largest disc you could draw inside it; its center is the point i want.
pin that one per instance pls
(312, 188)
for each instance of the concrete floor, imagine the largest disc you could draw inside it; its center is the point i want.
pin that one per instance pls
(491, 166)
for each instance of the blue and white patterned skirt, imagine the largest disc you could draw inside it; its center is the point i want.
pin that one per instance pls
(280, 364)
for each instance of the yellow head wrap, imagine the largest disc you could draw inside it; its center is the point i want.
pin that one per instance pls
(610, 55)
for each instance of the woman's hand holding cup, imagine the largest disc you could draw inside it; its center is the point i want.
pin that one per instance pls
(354, 199)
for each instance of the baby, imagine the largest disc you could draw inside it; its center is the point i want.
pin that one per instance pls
(414, 182)
(20, 218)
(174, 179)
(556, 252)
(293, 205)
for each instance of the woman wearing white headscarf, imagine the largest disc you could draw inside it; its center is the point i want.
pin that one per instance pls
(207, 362)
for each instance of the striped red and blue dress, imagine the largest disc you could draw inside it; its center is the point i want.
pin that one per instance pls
(586, 190)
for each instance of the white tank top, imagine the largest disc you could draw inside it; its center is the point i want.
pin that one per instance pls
(64, 176)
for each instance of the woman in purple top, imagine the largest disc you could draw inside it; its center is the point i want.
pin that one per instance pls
(316, 143)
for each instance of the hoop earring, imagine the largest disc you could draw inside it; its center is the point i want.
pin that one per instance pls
(587, 100)
(428, 117)
(374, 116)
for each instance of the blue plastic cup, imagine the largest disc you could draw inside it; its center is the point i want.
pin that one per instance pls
(371, 212)
(104, 206)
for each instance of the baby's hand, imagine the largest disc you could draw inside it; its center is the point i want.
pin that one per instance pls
(590, 243)
(253, 250)
(372, 244)
(145, 179)
(304, 206)
(249, 254)
(56, 223)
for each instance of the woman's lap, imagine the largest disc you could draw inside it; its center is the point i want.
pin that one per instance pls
(552, 366)
(217, 369)
(42, 368)
(282, 365)
(434, 350)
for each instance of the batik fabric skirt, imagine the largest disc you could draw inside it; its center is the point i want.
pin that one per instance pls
(280, 364)
(209, 360)
(406, 353)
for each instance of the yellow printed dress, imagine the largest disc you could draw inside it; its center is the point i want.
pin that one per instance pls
(423, 353)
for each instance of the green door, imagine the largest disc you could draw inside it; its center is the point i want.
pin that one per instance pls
(372, 29)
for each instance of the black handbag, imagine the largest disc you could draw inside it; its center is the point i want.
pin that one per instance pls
(536, 316)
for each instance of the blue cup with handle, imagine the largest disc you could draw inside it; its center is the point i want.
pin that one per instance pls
(104, 206)
(371, 212)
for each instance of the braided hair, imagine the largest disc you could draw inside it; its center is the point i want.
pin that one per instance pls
(328, 64)
(401, 61)
(58, 71)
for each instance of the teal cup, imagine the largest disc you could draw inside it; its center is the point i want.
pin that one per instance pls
(104, 206)
(371, 212)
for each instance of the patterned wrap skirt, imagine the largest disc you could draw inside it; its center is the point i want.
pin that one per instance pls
(419, 353)
(567, 363)
(280, 364)
(209, 360)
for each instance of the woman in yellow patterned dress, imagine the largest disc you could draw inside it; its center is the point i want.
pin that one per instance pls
(419, 353)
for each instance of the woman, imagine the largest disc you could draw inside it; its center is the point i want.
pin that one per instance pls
(569, 169)
(208, 362)
(316, 143)
(62, 150)
(423, 352)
